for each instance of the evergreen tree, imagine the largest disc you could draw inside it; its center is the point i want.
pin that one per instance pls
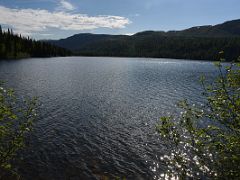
(13, 46)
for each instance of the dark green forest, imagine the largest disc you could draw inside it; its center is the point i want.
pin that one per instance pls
(201, 48)
(200, 43)
(14, 46)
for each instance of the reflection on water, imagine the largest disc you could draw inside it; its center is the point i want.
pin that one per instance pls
(97, 115)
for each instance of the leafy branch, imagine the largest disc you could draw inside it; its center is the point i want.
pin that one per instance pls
(204, 141)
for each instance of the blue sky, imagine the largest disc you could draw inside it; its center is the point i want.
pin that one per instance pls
(54, 19)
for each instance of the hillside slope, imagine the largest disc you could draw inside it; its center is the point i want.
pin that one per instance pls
(202, 42)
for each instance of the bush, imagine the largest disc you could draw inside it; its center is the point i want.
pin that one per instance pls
(204, 140)
(15, 122)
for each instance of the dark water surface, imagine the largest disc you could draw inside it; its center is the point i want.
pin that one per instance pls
(97, 115)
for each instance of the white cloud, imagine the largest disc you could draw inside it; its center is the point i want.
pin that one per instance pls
(65, 5)
(27, 21)
(129, 34)
(45, 34)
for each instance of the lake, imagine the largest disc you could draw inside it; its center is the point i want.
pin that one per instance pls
(97, 115)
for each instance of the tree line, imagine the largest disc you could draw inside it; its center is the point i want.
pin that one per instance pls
(157, 46)
(15, 46)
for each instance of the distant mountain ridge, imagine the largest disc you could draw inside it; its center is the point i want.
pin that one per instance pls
(226, 29)
(188, 43)
(79, 40)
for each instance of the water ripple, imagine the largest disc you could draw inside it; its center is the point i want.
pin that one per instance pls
(97, 115)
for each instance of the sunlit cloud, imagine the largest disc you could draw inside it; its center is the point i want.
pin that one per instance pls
(65, 5)
(27, 21)
(45, 34)
(129, 34)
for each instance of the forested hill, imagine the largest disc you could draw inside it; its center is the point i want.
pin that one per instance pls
(13, 46)
(226, 29)
(202, 42)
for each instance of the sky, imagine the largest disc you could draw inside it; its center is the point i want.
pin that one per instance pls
(56, 19)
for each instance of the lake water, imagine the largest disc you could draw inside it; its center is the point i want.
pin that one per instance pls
(97, 115)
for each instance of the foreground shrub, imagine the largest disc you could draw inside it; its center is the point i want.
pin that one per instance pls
(16, 119)
(204, 140)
